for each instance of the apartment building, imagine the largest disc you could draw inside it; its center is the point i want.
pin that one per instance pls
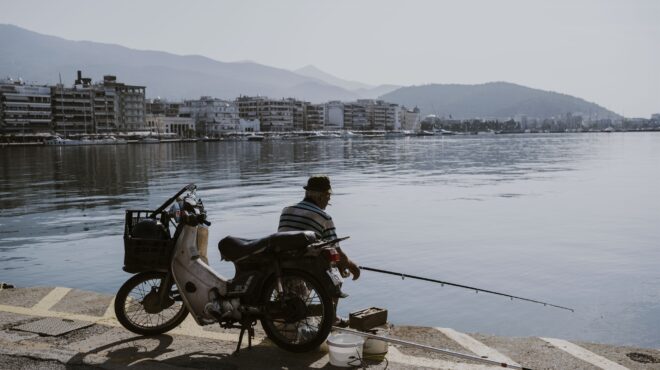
(274, 115)
(162, 107)
(87, 108)
(410, 118)
(381, 115)
(130, 101)
(212, 116)
(315, 117)
(73, 108)
(355, 116)
(24, 108)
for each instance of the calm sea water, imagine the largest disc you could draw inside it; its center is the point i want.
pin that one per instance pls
(571, 219)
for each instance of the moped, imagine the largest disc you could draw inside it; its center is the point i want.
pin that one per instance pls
(287, 281)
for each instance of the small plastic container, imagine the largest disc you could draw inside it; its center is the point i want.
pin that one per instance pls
(376, 349)
(345, 350)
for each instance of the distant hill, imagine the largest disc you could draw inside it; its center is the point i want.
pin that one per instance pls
(40, 58)
(499, 100)
(361, 89)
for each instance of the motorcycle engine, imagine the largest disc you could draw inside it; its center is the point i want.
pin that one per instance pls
(224, 310)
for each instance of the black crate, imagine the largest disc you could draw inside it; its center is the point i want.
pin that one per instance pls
(142, 254)
(367, 318)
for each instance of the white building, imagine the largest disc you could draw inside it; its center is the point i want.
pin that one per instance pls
(155, 123)
(213, 117)
(181, 126)
(162, 125)
(334, 115)
(249, 125)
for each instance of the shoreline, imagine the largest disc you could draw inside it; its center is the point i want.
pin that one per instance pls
(289, 136)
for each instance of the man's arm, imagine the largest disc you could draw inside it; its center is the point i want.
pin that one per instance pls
(345, 263)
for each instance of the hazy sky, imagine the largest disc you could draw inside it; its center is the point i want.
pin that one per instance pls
(603, 51)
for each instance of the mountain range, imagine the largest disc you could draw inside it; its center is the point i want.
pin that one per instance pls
(41, 59)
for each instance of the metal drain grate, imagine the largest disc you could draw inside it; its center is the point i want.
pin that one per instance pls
(53, 326)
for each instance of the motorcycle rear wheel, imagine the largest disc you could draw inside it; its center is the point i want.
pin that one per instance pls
(300, 320)
(138, 296)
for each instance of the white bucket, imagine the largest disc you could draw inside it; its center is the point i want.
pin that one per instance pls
(345, 349)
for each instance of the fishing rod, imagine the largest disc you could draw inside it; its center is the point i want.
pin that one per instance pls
(429, 348)
(443, 283)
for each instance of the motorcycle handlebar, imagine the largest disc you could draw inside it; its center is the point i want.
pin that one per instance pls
(329, 242)
(189, 187)
(194, 219)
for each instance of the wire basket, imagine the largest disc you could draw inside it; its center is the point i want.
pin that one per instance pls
(146, 252)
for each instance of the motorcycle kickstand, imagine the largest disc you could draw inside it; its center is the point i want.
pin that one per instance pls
(250, 331)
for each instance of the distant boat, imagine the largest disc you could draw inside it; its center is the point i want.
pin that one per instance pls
(445, 132)
(207, 139)
(255, 137)
(316, 135)
(100, 140)
(56, 140)
(394, 134)
(348, 134)
(426, 133)
(149, 140)
(609, 129)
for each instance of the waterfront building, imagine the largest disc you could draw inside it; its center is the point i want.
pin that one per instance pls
(246, 125)
(315, 118)
(355, 116)
(162, 106)
(73, 107)
(161, 124)
(104, 107)
(273, 115)
(212, 116)
(181, 126)
(155, 123)
(130, 101)
(381, 115)
(334, 115)
(410, 119)
(24, 108)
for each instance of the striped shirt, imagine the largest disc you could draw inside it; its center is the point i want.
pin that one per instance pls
(307, 216)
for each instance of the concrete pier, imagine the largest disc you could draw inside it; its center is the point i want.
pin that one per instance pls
(100, 342)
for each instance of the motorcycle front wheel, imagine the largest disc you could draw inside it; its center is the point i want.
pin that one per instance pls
(139, 310)
(300, 319)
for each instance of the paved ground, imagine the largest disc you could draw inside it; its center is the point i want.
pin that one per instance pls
(102, 343)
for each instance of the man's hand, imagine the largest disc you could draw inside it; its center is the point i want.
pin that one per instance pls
(347, 268)
(354, 269)
(345, 264)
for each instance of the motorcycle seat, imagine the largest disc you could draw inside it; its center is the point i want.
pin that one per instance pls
(233, 248)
